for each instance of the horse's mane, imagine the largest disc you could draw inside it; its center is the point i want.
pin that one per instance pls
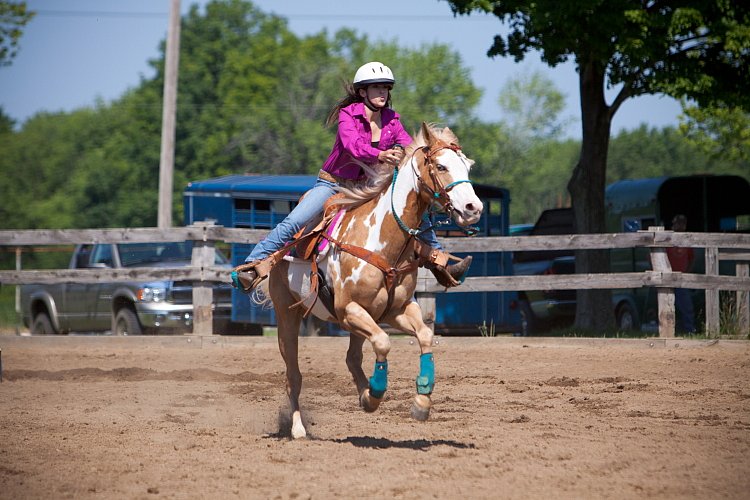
(379, 176)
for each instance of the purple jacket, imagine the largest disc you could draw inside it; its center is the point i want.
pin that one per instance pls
(354, 140)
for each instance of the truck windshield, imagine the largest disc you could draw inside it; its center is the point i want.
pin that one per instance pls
(135, 254)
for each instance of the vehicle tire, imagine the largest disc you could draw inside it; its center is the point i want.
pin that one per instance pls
(627, 317)
(237, 328)
(42, 325)
(126, 323)
(529, 323)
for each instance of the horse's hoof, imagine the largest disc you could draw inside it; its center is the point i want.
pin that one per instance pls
(298, 428)
(369, 403)
(420, 407)
(299, 433)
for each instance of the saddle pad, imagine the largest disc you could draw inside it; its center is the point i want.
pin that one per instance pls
(323, 245)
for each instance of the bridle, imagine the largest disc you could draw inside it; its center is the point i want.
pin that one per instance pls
(439, 193)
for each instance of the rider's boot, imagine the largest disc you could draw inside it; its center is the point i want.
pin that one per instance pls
(247, 276)
(453, 274)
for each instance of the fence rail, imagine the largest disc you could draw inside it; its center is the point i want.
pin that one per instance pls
(202, 272)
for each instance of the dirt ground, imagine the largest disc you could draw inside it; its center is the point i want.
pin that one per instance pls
(193, 417)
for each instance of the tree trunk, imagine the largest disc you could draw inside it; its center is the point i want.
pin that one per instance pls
(586, 187)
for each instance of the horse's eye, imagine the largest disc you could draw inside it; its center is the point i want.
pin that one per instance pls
(442, 168)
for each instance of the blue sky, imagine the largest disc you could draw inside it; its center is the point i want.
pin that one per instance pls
(77, 51)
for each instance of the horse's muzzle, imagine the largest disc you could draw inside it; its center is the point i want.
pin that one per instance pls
(469, 215)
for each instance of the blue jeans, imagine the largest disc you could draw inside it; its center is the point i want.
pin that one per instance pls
(310, 207)
(684, 304)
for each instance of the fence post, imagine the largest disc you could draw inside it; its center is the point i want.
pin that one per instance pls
(665, 296)
(204, 255)
(18, 290)
(743, 299)
(712, 295)
(426, 300)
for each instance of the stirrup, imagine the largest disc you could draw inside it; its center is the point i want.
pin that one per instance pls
(246, 277)
(451, 275)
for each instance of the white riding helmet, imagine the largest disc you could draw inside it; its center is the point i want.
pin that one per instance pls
(373, 72)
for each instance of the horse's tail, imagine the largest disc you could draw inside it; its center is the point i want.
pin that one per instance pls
(261, 296)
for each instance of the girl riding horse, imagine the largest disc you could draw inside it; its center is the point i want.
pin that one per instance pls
(370, 268)
(369, 132)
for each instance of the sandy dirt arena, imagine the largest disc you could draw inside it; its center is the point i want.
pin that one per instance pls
(192, 417)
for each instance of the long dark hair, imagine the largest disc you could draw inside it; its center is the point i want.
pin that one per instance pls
(352, 96)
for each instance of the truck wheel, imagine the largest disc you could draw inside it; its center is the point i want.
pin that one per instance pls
(126, 323)
(236, 328)
(627, 318)
(42, 325)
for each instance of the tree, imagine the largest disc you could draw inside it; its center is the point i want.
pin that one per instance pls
(253, 98)
(721, 132)
(693, 49)
(533, 103)
(6, 122)
(13, 17)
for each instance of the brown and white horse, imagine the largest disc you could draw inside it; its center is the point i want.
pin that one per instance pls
(434, 170)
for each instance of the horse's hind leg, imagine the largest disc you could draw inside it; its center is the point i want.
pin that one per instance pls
(288, 332)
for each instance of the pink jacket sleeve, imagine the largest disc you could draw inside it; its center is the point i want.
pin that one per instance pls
(354, 138)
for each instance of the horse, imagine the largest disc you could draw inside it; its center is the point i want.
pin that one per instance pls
(381, 222)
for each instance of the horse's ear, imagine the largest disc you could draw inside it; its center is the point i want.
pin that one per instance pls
(427, 133)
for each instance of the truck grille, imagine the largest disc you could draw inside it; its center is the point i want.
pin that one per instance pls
(182, 293)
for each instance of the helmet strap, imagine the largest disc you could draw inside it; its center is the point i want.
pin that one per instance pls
(369, 105)
(367, 102)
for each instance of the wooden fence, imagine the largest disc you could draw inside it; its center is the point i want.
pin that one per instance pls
(718, 246)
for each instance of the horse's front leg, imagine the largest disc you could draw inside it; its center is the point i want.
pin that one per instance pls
(354, 362)
(410, 321)
(359, 322)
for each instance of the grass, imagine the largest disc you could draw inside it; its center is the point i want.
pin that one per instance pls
(486, 331)
(729, 317)
(607, 334)
(9, 319)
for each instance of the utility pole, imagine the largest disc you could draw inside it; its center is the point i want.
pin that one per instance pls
(166, 162)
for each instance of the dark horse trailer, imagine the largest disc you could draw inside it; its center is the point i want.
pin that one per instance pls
(711, 203)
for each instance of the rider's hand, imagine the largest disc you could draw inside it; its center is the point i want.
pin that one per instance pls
(391, 156)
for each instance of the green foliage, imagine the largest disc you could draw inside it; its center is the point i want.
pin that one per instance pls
(720, 132)
(13, 17)
(533, 103)
(697, 49)
(8, 316)
(6, 122)
(252, 98)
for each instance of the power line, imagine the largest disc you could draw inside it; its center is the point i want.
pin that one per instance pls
(101, 13)
(302, 17)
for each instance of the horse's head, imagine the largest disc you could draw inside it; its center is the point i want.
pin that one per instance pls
(444, 176)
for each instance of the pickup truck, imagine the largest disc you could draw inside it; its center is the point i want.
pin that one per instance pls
(131, 308)
(545, 309)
